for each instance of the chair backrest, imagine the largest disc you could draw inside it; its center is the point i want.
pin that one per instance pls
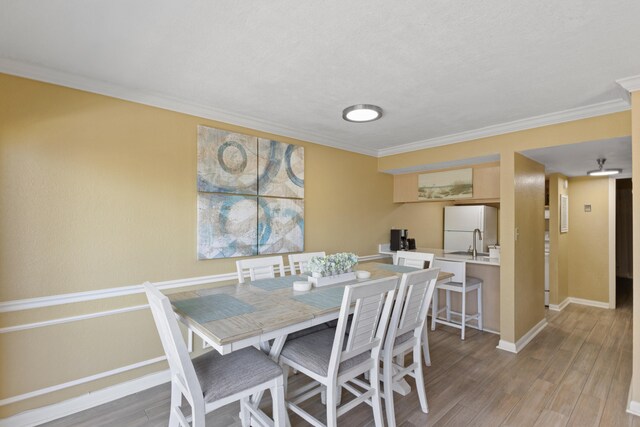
(458, 268)
(298, 262)
(412, 303)
(260, 268)
(373, 302)
(414, 259)
(180, 364)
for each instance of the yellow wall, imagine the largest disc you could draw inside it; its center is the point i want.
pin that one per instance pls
(589, 239)
(529, 244)
(424, 220)
(100, 193)
(558, 243)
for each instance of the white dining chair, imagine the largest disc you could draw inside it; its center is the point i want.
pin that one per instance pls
(211, 380)
(333, 363)
(260, 268)
(406, 333)
(414, 259)
(459, 283)
(298, 262)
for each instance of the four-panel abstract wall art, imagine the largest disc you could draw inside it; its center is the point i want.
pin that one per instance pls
(250, 195)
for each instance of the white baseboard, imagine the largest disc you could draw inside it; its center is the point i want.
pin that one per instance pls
(581, 301)
(633, 407)
(590, 303)
(524, 340)
(561, 306)
(507, 346)
(55, 411)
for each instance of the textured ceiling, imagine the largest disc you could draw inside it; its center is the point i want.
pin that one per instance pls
(577, 159)
(437, 68)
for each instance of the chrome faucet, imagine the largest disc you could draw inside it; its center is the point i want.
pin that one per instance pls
(474, 251)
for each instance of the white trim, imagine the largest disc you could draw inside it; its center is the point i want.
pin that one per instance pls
(53, 300)
(633, 407)
(590, 303)
(561, 306)
(70, 319)
(154, 99)
(77, 404)
(79, 381)
(524, 340)
(593, 110)
(630, 84)
(506, 346)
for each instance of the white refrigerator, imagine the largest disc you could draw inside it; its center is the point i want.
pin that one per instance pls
(460, 221)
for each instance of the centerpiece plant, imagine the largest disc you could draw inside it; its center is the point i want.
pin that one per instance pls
(331, 265)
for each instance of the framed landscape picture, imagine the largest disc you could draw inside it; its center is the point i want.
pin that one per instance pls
(453, 184)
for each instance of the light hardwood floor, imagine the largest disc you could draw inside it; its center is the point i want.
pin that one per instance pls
(575, 372)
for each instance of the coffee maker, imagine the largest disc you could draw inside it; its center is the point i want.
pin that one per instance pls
(399, 240)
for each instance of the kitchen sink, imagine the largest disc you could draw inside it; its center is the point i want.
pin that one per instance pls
(468, 253)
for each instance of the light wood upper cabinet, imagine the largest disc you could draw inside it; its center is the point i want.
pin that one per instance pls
(486, 182)
(486, 185)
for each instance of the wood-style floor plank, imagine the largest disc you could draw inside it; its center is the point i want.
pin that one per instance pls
(575, 372)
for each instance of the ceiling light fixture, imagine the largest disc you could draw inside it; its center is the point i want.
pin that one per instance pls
(602, 171)
(361, 113)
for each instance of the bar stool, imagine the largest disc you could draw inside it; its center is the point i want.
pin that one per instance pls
(462, 284)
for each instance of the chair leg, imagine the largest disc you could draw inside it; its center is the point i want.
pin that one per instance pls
(176, 402)
(285, 376)
(387, 372)
(434, 310)
(279, 411)
(480, 326)
(448, 306)
(245, 415)
(332, 406)
(197, 414)
(419, 375)
(425, 347)
(375, 398)
(464, 312)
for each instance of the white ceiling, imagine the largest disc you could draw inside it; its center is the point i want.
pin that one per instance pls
(442, 71)
(576, 159)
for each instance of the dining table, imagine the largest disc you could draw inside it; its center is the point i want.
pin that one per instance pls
(264, 312)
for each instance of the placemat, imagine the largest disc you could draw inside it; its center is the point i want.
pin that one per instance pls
(323, 298)
(398, 268)
(277, 282)
(213, 307)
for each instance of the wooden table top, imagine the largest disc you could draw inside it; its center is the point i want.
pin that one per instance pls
(234, 316)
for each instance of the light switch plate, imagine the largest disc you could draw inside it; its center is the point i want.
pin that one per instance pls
(587, 208)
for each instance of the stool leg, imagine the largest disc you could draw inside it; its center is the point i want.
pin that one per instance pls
(480, 307)
(448, 306)
(464, 312)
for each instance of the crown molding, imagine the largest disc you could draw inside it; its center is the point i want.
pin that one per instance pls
(153, 99)
(630, 84)
(593, 110)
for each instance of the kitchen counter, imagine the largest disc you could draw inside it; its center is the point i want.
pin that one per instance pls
(485, 268)
(446, 255)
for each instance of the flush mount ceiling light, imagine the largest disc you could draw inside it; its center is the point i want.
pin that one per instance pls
(602, 171)
(361, 113)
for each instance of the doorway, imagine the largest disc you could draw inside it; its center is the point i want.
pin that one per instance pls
(624, 244)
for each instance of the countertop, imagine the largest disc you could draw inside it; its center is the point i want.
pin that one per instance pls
(447, 255)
